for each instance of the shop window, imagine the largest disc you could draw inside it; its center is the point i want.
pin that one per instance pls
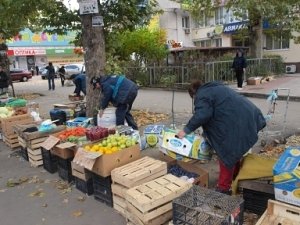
(240, 42)
(277, 42)
(209, 43)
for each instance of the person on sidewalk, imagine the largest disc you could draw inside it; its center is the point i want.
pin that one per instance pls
(239, 65)
(62, 73)
(51, 76)
(121, 92)
(80, 83)
(3, 81)
(230, 123)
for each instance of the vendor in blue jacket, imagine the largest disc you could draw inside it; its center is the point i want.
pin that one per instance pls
(230, 123)
(121, 92)
(80, 83)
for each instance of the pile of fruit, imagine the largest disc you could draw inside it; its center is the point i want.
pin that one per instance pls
(113, 143)
(74, 135)
(97, 133)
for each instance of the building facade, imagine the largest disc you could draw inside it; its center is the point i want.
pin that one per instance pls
(28, 49)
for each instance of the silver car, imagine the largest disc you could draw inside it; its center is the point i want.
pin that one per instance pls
(74, 69)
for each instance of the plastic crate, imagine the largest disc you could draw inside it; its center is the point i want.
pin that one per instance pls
(49, 161)
(256, 201)
(200, 206)
(24, 153)
(65, 163)
(103, 193)
(84, 186)
(104, 181)
(65, 174)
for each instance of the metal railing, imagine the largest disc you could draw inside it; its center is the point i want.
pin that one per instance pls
(166, 76)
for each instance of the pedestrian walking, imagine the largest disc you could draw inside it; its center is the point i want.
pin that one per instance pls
(51, 76)
(230, 123)
(121, 92)
(37, 69)
(239, 65)
(3, 81)
(32, 71)
(62, 73)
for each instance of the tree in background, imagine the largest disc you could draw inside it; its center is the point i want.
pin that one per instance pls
(282, 17)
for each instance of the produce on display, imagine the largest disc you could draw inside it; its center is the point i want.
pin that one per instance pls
(6, 112)
(111, 144)
(74, 135)
(97, 133)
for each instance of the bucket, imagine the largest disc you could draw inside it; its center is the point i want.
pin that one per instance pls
(108, 118)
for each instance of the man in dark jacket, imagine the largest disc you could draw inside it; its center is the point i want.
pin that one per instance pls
(80, 84)
(51, 76)
(3, 81)
(121, 92)
(239, 65)
(229, 121)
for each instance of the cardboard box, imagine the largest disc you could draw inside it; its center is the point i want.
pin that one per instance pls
(80, 172)
(191, 145)
(65, 150)
(287, 176)
(104, 164)
(253, 80)
(192, 167)
(152, 134)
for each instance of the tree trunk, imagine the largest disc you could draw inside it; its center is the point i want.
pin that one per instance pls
(256, 41)
(94, 56)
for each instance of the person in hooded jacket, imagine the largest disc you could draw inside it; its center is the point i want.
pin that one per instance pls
(239, 65)
(230, 123)
(80, 83)
(121, 92)
(3, 80)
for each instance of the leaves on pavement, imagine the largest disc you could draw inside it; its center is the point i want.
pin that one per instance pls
(144, 117)
(38, 193)
(81, 199)
(12, 183)
(77, 213)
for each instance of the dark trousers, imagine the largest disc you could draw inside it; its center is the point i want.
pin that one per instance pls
(239, 77)
(78, 88)
(226, 175)
(51, 83)
(123, 112)
(62, 79)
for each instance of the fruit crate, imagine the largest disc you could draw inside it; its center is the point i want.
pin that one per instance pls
(151, 202)
(65, 163)
(84, 186)
(49, 161)
(102, 189)
(134, 174)
(11, 141)
(24, 153)
(280, 213)
(201, 206)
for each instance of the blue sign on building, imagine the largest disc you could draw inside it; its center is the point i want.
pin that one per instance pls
(234, 27)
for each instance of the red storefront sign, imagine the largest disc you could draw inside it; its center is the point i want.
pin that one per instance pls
(24, 52)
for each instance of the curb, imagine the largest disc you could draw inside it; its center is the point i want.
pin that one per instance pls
(265, 96)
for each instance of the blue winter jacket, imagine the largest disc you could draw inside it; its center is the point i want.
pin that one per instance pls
(81, 80)
(230, 121)
(117, 89)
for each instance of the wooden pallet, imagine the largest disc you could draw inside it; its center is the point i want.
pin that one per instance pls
(159, 220)
(35, 156)
(11, 141)
(22, 142)
(149, 201)
(280, 213)
(134, 174)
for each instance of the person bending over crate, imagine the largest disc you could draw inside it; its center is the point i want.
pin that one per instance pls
(230, 123)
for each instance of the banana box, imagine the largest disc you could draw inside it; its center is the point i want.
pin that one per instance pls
(286, 173)
(153, 134)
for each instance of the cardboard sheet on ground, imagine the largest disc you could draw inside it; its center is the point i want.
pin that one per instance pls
(254, 167)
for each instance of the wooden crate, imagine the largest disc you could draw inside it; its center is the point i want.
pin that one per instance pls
(151, 202)
(22, 142)
(8, 123)
(11, 141)
(35, 152)
(134, 174)
(280, 213)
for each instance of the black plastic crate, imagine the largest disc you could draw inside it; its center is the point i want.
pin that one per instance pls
(256, 201)
(106, 201)
(65, 163)
(201, 206)
(65, 174)
(84, 186)
(24, 153)
(49, 161)
(103, 193)
(104, 181)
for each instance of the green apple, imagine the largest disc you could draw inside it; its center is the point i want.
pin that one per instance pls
(122, 146)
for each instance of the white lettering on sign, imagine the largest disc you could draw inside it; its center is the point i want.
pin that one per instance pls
(234, 27)
(21, 52)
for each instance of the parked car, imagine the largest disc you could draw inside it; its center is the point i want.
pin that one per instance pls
(45, 73)
(74, 69)
(20, 75)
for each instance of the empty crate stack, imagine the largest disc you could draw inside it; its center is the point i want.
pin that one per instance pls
(200, 206)
(49, 161)
(151, 202)
(102, 189)
(83, 179)
(64, 169)
(134, 174)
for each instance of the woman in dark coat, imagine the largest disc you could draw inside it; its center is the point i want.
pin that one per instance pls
(3, 81)
(239, 65)
(121, 92)
(229, 121)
